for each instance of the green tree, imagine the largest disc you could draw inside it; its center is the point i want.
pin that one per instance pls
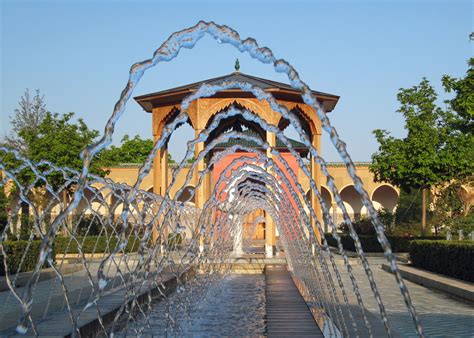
(170, 159)
(56, 139)
(463, 101)
(131, 150)
(60, 141)
(409, 207)
(448, 206)
(27, 117)
(435, 150)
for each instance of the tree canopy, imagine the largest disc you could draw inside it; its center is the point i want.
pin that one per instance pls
(435, 150)
(131, 150)
(40, 135)
(56, 139)
(60, 141)
(439, 145)
(27, 117)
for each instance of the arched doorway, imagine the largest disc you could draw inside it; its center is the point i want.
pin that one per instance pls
(187, 195)
(352, 201)
(386, 196)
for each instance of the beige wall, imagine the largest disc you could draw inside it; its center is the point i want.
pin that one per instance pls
(382, 194)
(129, 175)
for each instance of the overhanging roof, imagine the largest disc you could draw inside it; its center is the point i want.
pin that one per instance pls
(279, 90)
(297, 146)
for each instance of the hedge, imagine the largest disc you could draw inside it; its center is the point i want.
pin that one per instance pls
(371, 243)
(450, 258)
(14, 251)
(92, 244)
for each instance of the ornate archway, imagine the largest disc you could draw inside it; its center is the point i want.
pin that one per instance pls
(166, 105)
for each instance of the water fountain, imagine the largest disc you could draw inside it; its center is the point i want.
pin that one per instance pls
(157, 244)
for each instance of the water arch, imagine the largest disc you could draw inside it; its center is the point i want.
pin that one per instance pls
(156, 224)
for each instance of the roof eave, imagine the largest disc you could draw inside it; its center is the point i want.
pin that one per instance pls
(145, 101)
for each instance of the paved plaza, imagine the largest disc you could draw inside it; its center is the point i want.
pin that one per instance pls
(440, 314)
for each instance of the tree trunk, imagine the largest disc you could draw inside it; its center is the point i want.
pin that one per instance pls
(69, 219)
(25, 221)
(423, 211)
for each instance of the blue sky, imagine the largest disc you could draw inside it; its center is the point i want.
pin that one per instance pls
(78, 54)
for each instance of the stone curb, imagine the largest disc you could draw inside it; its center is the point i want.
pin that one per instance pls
(400, 256)
(431, 280)
(48, 273)
(58, 324)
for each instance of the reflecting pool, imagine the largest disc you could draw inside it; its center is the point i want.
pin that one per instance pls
(234, 306)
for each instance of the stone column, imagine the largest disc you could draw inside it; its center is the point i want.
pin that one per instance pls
(207, 186)
(157, 170)
(164, 170)
(164, 186)
(200, 191)
(270, 237)
(238, 240)
(156, 185)
(334, 214)
(316, 175)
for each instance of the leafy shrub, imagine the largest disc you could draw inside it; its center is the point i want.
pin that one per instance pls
(450, 258)
(409, 207)
(174, 240)
(406, 230)
(364, 226)
(371, 243)
(88, 225)
(92, 244)
(466, 224)
(14, 251)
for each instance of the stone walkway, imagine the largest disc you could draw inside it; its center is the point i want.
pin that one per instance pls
(287, 312)
(441, 315)
(48, 295)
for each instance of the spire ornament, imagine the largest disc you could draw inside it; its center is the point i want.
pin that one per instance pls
(237, 65)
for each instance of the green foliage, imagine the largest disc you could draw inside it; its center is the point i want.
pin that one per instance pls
(450, 258)
(174, 239)
(433, 151)
(464, 223)
(27, 117)
(387, 218)
(26, 225)
(364, 226)
(60, 141)
(92, 244)
(439, 145)
(14, 251)
(57, 140)
(463, 102)
(135, 150)
(409, 207)
(88, 225)
(448, 206)
(371, 243)
(406, 230)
